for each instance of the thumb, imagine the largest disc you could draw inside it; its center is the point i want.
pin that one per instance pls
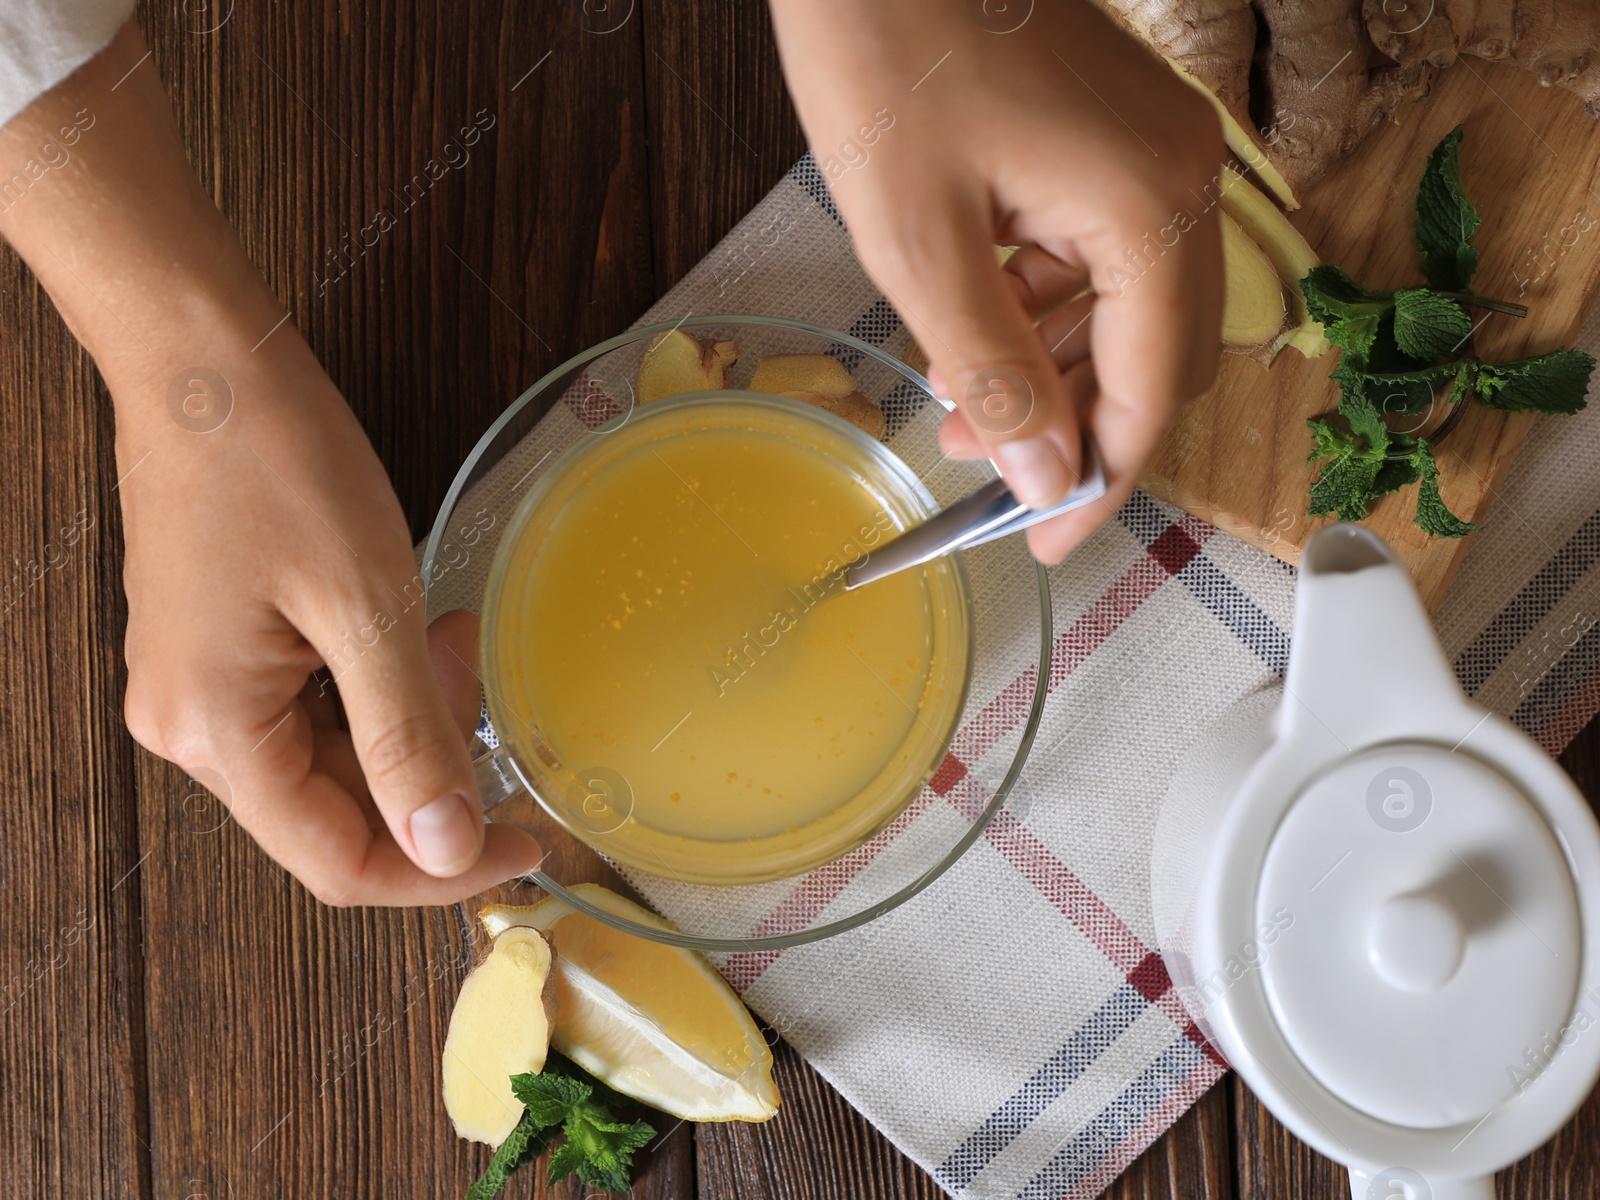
(938, 266)
(411, 749)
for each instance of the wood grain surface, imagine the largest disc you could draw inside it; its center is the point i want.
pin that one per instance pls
(1531, 165)
(180, 1019)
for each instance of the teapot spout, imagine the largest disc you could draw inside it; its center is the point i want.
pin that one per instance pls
(1364, 664)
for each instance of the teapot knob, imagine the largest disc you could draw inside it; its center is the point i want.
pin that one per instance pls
(1415, 943)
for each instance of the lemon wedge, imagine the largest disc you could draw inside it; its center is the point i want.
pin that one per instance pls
(654, 1022)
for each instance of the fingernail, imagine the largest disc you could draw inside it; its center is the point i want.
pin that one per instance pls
(445, 834)
(1037, 473)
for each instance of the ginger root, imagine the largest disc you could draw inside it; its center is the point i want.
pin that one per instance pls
(675, 363)
(1321, 86)
(1211, 40)
(500, 1027)
(1558, 40)
(1298, 83)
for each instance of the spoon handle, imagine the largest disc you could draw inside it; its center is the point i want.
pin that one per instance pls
(990, 512)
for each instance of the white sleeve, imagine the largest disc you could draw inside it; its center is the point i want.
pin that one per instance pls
(44, 41)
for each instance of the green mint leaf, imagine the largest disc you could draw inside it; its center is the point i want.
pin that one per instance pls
(1366, 423)
(1386, 355)
(599, 1094)
(522, 1145)
(1345, 488)
(1349, 478)
(1428, 325)
(1327, 440)
(1359, 322)
(1398, 469)
(567, 1159)
(1344, 485)
(550, 1099)
(1397, 472)
(1556, 382)
(609, 1179)
(1432, 515)
(1354, 335)
(1446, 219)
(1400, 393)
(606, 1147)
(1333, 296)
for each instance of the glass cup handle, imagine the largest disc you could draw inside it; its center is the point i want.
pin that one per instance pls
(497, 778)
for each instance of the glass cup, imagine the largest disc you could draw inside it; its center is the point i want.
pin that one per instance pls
(671, 806)
(933, 797)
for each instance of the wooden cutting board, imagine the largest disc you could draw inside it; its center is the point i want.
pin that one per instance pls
(1531, 165)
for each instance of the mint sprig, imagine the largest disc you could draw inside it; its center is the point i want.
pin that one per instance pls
(565, 1099)
(1345, 484)
(1556, 382)
(1446, 219)
(1399, 349)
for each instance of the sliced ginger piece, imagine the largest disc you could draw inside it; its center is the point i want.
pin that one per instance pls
(500, 1027)
(652, 1021)
(1292, 256)
(820, 380)
(1253, 310)
(782, 374)
(855, 408)
(675, 363)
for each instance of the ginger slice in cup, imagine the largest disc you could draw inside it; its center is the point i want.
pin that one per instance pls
(820, 380)
(675, 363)
(781, 374)
(500, 1027)
(654, 1022)
(855, 408)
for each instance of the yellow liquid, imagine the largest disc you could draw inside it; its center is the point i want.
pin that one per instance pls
(681, 638)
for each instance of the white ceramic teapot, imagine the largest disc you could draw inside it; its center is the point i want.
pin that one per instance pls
(1381, 902)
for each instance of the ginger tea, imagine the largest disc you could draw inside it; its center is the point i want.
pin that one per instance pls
(673, 651)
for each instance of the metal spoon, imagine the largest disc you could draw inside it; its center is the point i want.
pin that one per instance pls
(990, 512)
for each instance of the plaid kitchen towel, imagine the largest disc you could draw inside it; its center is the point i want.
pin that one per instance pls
(1012, 1028)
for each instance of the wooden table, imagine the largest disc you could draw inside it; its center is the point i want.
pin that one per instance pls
(180, 1018)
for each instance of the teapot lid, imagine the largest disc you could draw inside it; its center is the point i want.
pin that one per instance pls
(1431, 944)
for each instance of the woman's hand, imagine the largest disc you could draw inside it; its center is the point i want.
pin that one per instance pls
(946, 127)
(276, 644)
